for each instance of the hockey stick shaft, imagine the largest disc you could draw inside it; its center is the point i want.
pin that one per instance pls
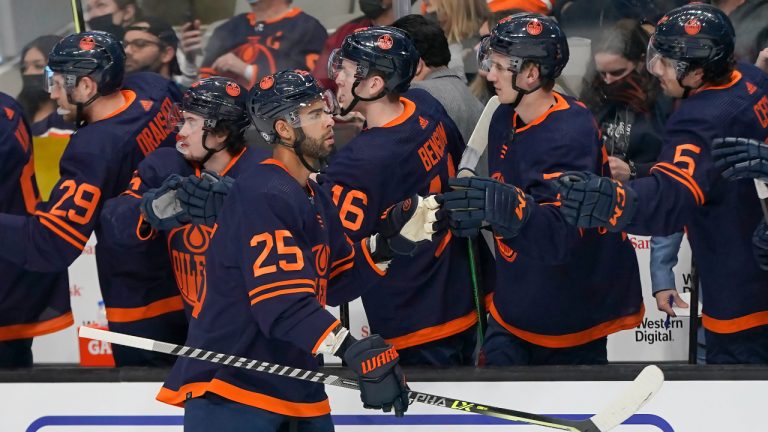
(77, 16)
(645, 386)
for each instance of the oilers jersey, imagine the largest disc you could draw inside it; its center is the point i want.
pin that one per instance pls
(291, 41)
(686, 190)
(428, 296)
(185, 245)
(278, 254)
(32, 303)
(97, 165)
(558, 286)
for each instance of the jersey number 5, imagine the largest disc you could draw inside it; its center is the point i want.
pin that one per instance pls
(689, 164)
(294, 261)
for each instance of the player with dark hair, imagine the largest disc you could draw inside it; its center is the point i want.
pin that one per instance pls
(691, 54)
(560, 291)
(211, 123)
(119, 125)
(424, 305)
(278, 256)
(32, 303)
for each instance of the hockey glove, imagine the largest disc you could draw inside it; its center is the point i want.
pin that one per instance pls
(740, 158)
(403, 227)
(381, 380)
(161, 207)
(477, 202)
(760, 245)
(590, 201)
(203, 197)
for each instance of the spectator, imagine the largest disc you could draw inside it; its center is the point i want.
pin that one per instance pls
(626, 100)
(434, 76)
(273, 36)
(112, 16)
(32, 303)
(460, 20)
(559, 291)
(150, 45)
(749, 19)
(34, 99)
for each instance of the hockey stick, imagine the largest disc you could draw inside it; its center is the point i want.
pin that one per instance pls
(645, 386)
(478, 142)
(77, 16)
(762, 193)
(476, 146)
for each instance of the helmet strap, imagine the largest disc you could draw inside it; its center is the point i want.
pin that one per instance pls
(357, 98)
(520, 91)
(80, 106)
(210, 151)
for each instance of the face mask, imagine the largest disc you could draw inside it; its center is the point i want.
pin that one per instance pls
(372, 9)
(629, 90)
(33, 94)
(104, 23)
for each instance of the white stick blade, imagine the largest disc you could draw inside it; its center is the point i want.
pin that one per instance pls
(762, 189)
(645, 386)
(116, 338)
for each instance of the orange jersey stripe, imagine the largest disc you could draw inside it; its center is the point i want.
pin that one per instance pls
(735, 324)
(25, 331)
(443, 244)
(245, 397)
(368, 258)
(349, 257)
(62, 234)
(62, 224)
(341, 270)
(282, 292)
(325, 334)
(294, 282)
(573, 339)
(682, 177)
(160, 307)
(434, 333)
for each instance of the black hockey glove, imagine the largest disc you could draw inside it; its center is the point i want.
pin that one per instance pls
(161, 207)
(740, 158)
(760, 245)
(477, 202)
(203, 197)
(403, 227)
(590, 201)
(381, 380)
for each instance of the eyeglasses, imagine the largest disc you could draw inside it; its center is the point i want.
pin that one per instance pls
(141, 43)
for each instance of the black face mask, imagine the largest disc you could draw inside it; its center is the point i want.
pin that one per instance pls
(372, 9)
(629, 90)
(33, 94)
(104, 23)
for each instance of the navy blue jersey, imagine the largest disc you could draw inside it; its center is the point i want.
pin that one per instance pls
(31, 303)
(558, 286)
(277, 255)
(291, 41)
(185, 245)
(97, 165)
(685, 189)
(428, 296)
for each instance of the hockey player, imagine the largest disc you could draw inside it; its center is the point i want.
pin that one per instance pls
(691, 53)
(410, 145)
(213, 120)
(274, 36)
(560, 291)
(32, 303)
(123, 124)
(278, 256)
